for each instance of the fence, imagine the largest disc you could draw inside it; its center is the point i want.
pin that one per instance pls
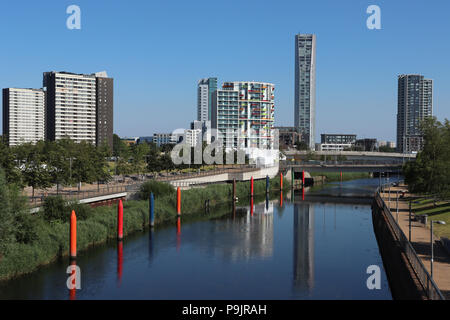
(134, 186)
(430, 288)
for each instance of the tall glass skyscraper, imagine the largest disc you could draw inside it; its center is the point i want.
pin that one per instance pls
(415, 102)
(305, 87)
(206, 88)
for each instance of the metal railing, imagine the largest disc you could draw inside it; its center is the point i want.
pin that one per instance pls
(76, 195)
(430, 288)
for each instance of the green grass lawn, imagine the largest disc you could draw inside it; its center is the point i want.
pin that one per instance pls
(440, 211)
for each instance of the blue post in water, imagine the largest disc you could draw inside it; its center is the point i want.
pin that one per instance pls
(267, 184)
(152, 209)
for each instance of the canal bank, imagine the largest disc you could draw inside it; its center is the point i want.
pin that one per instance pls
(311, 248)
(52, 238)
(408, 276)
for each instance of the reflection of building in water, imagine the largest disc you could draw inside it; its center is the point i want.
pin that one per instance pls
(304, 246)
(256, 232)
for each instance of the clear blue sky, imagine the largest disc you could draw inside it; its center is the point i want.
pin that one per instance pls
(157, 51)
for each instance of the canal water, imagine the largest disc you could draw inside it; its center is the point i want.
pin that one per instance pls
(307, 246)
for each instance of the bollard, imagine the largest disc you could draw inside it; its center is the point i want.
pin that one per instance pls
(251, 187)
(120, 221)
(152, 210)
(178, 201)
(251, 206)
(293, 177)
(267, 184)
(303, 178)
(281, 199)
(281, 181)
(73, 235)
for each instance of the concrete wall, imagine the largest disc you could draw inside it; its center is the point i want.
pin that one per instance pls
(402, 279)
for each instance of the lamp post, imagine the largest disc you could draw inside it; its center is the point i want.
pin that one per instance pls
(432, 244)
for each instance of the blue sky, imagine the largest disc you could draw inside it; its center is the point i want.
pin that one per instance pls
(157, 50)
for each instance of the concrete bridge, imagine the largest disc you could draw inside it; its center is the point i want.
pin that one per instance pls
(379, 168)
(354, 155)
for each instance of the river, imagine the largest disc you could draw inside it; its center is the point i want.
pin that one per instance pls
(316, 245)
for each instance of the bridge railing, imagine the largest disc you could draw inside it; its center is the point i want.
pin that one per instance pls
(430, 289)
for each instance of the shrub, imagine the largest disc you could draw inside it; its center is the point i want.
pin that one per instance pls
(158, 189)
(56, 208)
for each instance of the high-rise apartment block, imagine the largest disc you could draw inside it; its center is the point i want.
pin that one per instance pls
(243, 114)
(23, 115)
(205, 91)
(79, 107)
(305, 87)
(415, 103)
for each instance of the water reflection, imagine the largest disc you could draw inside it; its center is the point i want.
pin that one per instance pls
(119, 262)
(303, 247)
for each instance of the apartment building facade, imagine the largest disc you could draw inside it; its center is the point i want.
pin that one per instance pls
(23, 115)
(305, 87)
(415, 103)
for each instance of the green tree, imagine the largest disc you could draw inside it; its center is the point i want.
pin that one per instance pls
(430, 172)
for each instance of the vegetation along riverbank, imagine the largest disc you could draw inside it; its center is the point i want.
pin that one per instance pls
(29, 241)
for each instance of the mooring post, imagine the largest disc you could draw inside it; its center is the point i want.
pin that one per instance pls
(303, 178)
(251, 187)
(73, 235)
(234, 190)
(281, 181)
(152, 210)
(120, 221)
(178, 201)
(267, 184)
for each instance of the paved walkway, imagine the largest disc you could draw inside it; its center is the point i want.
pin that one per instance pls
(420, 239)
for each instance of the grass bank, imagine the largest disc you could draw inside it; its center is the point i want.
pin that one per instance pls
(346, 176)
(435, 211)
(52, 237)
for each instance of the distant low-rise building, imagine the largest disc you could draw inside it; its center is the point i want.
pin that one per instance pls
(164, 138)
(366, 145)
(288, 137)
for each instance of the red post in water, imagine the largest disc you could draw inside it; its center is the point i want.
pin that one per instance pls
(120, 220)
(73, 235)
(341, 176)
(178, 201)
(303, 194)
(251, 187)
(303, 178)
(281, 181)
(251, 206)
(281, 199)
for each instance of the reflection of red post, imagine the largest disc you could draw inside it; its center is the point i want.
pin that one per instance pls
(281, 181)
(73, 291)
(303, 178)
(178, 201)
(119, 261)
(341, 176)
(178, 233)
(251, 187)
(251, 206)
(120, 220)
(73, 235)
(303, 193)
(281, 199)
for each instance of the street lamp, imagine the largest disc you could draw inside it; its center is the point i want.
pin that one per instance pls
(432, 244)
